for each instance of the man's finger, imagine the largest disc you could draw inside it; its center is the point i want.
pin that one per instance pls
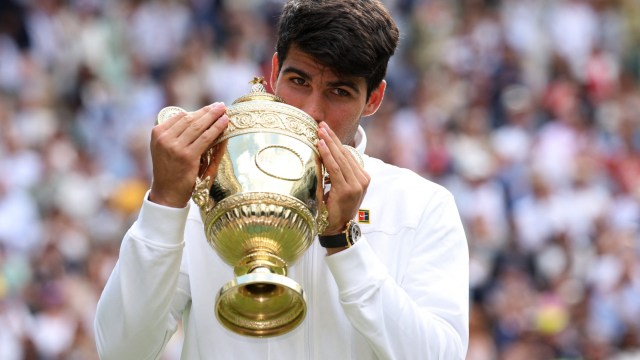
(337, 165)
(204, 141)
(200, 121)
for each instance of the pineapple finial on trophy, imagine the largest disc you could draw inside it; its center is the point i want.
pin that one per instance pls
(258, 84)
(258, 92)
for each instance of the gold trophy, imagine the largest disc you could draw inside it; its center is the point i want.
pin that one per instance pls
(263, 209)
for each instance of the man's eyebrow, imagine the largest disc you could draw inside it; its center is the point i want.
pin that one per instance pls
(338, 83)
(302, 74)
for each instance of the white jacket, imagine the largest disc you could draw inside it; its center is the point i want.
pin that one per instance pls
(401, 292)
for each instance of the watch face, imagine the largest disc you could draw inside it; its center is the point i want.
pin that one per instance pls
(354, 232)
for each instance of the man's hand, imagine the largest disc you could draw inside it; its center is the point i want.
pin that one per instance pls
(176, 147)
(349, 181)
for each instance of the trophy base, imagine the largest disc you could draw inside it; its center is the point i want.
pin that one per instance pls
(261, 304)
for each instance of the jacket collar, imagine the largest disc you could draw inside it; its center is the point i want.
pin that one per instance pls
(360, 140)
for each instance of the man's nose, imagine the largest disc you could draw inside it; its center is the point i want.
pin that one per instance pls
(315, 108)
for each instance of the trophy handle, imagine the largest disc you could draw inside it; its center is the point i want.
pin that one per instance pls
(202, 188)
(200, 193)
(322, 220)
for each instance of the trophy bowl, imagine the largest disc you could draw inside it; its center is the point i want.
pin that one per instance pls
(263, 210)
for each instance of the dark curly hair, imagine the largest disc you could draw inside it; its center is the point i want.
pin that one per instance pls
(351, 37)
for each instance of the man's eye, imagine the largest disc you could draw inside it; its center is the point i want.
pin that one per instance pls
(340, 92)
(298, 81)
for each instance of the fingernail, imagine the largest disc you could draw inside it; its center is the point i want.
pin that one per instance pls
(215, 105)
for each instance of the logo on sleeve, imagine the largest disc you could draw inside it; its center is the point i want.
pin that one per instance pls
(363, 216)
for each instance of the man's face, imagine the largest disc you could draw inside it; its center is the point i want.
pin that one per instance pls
(315, 89)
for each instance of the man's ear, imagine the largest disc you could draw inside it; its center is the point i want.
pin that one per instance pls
(275, 69)
(375, 99)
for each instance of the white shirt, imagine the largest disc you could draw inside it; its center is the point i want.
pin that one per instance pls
(401, 292)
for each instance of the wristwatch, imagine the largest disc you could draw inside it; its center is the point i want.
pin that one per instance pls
(345, 239)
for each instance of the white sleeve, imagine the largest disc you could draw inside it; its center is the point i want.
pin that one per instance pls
(426, 315)
(141, 304)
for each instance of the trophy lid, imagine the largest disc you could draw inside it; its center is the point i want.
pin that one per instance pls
(258, 92)
(260, 111)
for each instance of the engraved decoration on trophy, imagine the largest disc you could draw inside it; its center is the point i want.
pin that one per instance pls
(263, 209)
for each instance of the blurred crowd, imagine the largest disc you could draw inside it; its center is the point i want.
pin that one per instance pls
(527, 110)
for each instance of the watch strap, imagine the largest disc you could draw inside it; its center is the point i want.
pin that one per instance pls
(334, 241)
(345, 239)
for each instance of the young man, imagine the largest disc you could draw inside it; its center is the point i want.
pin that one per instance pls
(399, 292)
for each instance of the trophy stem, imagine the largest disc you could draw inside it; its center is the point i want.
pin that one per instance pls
(261, 261)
